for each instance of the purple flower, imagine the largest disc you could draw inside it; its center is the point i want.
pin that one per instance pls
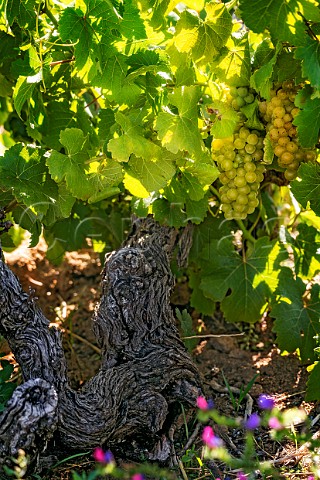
(210, 439)
(253, 422)
(266, 402)
(204, 404)
(138, 476)
(310, 477)
(275, 423)
(103, 457)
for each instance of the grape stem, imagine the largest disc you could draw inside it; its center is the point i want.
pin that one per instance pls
(246, 234)
(256, 220)
(8, 208)
(50, 15)
(230, 5)
(215, 192)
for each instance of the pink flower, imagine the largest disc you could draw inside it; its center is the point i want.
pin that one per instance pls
(98, 455)
(103, 457)
(203, 404)
(275, 423)
(210, 439)
(137, 476)
(241, 476)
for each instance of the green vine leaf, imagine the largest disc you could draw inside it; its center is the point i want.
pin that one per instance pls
(225, 121)
(282, 18)
(297, 319)
(233, 65)
(132, 142)
(84, 178)
(131, 26)
(167, 213)
(308, 188)
(313, 391)
(144, 176)
(268, 154)
(24, 169)
(179, 132)
(310, 56)
(261, 80)
(75, 27)
(308, 121)
(24, 12)
(24, 216)
(243, 285)
(61, 208)
(203, 39)
(306, 251)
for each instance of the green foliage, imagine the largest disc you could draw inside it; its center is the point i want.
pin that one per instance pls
(242, 282)
(308, 188)
(6, 387)
(297, 316)
(308, 119)
(185, 320)
(111, 108)
(244, 390)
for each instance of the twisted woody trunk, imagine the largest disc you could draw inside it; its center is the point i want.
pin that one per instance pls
(145, 368)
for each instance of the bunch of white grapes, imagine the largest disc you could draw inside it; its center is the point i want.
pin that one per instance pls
(278, 114)
(240, 97)
(241, 171)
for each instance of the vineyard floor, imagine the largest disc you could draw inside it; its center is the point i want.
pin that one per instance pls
(68, 294)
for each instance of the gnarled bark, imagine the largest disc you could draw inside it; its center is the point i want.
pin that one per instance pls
(145, 369)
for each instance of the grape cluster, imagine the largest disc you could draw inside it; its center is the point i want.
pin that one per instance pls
(278, 114)
(238, 158)
(240, 97)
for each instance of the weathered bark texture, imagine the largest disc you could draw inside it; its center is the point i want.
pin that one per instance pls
(145, 369)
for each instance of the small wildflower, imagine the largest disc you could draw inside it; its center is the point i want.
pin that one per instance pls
(98, 455)
(103, 457)
(266, 402)
(253, 422)
(210, 439)
(138, 476)
(204, 404)
(241, 476)
(311, 477)
(275, 423)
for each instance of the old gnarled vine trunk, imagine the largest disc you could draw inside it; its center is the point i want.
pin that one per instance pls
(145, 368)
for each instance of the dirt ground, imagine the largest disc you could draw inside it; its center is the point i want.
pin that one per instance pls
(68, 294)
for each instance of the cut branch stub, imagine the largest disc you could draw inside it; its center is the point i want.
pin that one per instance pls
(29, 419)
(145, 367)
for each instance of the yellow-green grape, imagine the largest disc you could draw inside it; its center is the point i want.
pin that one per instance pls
(241, 96)
(238, 158)
(278, 114)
